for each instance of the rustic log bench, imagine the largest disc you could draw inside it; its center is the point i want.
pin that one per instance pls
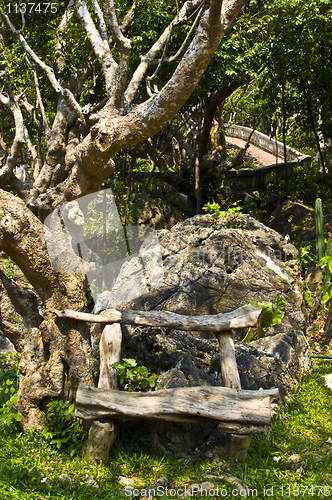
(241, 413)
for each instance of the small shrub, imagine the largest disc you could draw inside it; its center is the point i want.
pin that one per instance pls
(63, 429)
(9, 268)
(270, 316)
(305, 256)
(214, 210)
(135, 378)
(9, 382)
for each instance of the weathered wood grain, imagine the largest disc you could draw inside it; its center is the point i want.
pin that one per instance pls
(229, 369)
(110, 352)
(103, 434)
(209, 404)
(237, 443)
(236, 429)
(244, 317)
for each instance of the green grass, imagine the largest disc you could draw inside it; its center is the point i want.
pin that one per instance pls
(293, 456)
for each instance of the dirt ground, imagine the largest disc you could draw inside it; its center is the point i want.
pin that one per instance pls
(263, 157)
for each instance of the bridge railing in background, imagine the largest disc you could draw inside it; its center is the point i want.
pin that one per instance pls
(260, 177)
(265, 142)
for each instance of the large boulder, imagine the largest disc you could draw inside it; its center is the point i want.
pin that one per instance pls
(295, 219)
(215, 266)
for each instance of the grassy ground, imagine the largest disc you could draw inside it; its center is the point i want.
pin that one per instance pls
(294, 460)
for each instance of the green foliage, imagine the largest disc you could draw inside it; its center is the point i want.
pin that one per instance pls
(270, 316)
(63, 428)
(326, 287)
(10, 267)
(293, 89)
(216, 213)
(324, 253)
(213, 209)
(305, 184)
(90, 301)
(135, 378)
(9, 383)
(305, 256)
(308, 297)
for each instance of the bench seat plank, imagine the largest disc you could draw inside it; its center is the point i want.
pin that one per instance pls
(188, 404)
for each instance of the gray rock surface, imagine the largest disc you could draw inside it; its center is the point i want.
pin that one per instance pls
(184, 361)
(298, 221)
(5, 344)
(215, 266)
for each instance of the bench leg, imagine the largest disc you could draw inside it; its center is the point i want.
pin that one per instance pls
(102, 434)
(100, 439)
(237, 446)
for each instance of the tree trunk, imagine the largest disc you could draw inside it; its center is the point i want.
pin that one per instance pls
(55, 353)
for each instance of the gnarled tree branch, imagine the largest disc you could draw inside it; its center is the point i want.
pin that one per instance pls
(118, 37)
(101, 20)
(19, 139)
(151, 55)
(100, 46)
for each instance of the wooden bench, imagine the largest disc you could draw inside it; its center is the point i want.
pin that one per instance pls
(241, 413)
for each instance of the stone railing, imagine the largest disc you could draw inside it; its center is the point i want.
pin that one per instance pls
(260, 177)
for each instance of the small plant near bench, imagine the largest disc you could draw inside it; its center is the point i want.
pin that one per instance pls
(10, 268)
(8, 388)
(270, 316)
(133, 377)
(63, 429)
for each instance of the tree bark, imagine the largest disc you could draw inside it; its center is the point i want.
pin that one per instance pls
(56, 354)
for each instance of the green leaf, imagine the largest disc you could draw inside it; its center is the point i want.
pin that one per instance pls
(130, 362)
(143, 383)
(142, 370)
(249, 336)
(281, 302)
(328, 294)
(277, 316)
(117, 365)
(153, 380)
